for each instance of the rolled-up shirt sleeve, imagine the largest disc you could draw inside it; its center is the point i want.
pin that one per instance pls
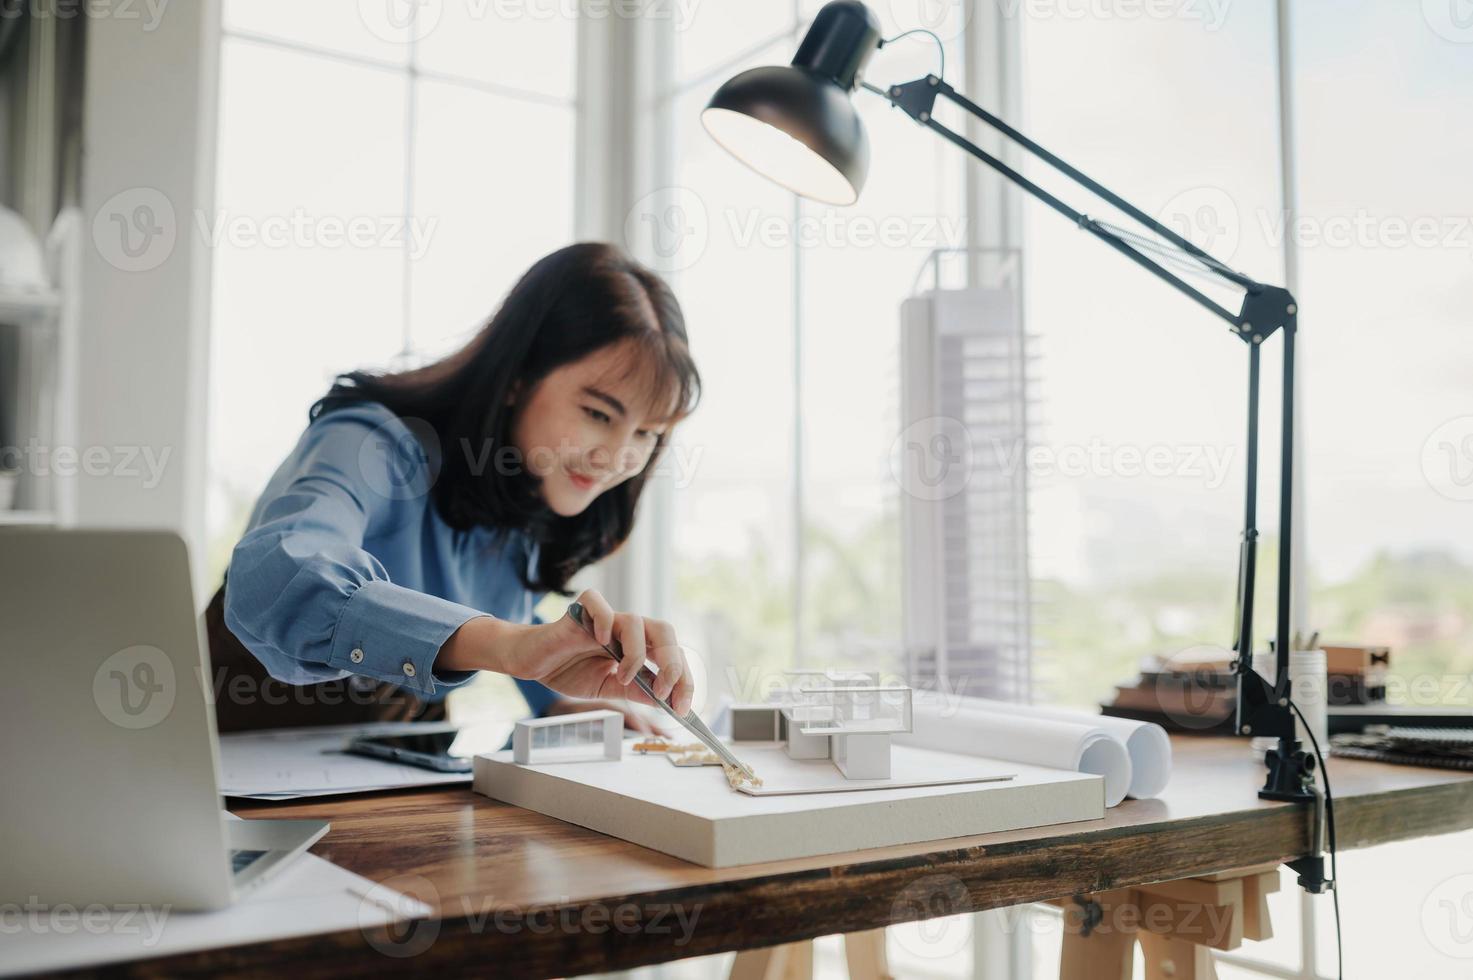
(304, 596)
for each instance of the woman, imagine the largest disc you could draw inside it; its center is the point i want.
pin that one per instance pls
(404, 542)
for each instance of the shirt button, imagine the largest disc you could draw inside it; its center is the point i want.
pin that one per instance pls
(356, 656)
(408, 669)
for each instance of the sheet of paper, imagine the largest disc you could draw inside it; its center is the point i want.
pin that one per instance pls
(289, 763)
(783, 776)
(308, 896)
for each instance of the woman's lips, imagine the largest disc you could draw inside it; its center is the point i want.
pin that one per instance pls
(580, 481)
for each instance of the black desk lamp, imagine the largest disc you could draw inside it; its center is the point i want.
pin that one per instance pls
(797, 126)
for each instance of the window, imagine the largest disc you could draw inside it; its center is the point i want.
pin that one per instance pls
(1386, 288)
(382, 182)
(1132, 559)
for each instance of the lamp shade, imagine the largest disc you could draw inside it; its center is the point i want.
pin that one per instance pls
(796, 124)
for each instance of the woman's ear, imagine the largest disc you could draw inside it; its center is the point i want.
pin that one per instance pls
(514, 392)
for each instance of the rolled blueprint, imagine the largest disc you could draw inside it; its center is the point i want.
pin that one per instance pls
(1148, 744)
(1029, 739)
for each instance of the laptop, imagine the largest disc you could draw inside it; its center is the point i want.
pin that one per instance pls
(108, 795)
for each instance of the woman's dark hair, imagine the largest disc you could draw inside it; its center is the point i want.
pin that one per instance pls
(578, 300)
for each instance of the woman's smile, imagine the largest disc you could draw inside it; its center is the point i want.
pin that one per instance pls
(580, 480)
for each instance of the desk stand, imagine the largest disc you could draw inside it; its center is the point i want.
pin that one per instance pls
(1178, 924)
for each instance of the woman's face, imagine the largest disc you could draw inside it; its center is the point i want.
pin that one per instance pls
(585, 428)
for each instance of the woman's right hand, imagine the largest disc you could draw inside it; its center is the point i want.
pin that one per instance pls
(562, 656)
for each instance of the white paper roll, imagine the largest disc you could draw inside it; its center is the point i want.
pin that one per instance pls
(1147, 742)
(1031, 740)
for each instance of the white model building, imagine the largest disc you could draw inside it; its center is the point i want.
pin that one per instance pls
(563, 738)
(846, 716)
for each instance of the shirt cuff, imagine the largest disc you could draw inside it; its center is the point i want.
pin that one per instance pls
(394, 634)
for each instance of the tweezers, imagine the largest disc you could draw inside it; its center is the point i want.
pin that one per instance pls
(645, 679)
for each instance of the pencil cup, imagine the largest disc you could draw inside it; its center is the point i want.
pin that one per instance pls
(1309, 690)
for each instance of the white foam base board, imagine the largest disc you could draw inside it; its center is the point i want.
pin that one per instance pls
(691, 813)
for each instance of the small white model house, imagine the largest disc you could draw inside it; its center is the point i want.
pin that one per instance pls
(846, 716)
(566, 738)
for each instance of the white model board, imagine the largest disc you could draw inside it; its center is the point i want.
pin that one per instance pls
(693, 814)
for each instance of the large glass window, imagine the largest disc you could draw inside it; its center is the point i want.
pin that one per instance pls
(1387, 286)
(1142, 395)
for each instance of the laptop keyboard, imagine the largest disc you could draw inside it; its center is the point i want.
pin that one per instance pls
(240, 860)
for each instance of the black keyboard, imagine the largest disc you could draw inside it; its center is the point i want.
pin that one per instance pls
(239, 860)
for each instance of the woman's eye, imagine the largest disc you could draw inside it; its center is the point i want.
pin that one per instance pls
(596, 415)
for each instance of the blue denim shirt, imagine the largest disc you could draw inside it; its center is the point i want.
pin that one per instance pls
(347, 568)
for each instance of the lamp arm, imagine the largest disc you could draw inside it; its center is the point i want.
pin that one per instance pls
(1261, 302)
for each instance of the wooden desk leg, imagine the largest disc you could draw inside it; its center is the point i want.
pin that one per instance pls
(865, 954)
(1102, 946)
(1175, 959)
(793, 961)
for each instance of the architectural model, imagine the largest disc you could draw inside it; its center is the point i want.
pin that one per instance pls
(565, 738)
(845, 716)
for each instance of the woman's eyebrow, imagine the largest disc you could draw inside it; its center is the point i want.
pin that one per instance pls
(605, 397)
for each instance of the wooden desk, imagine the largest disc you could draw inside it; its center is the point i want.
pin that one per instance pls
(520, 894)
